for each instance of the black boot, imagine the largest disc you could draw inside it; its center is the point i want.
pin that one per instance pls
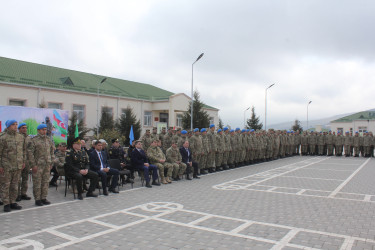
(19, 198)
(25, 197)
(45, 202)
(15, 206)
(38, 203)
(148, 185)
(7, 208)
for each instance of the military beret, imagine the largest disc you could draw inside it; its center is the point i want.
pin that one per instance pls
(77, 140)
(232, 130)
(243, 130)
(183, 132)
(356, 132)
(226, 128)
(114, 140)
(41, 126)
(219, 130)
(252, 130)
(9, 122)
(212, 125)
(238, 129)
(196, 130)
(203, 130)
(21, 125)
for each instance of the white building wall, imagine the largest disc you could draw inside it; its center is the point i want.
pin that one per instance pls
(354, 126)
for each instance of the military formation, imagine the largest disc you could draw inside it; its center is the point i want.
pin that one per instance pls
(169, 155)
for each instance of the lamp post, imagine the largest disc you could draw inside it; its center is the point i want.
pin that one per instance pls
(97, 108)
(307, 127)
(192, 94)
(265, 112)
(244, 116)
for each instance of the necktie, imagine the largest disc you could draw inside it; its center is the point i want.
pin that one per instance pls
(101, 159)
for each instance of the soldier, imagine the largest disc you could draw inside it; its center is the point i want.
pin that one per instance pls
(175, 159)
(227, 148)
(58, 164)
(157, 158)
(161, 136)
(312, 143)
(196, 146)
(320, 142)
(348, 141)
(205, 151)
(304, 143)
(41, 151)
(77, 162)
(146, 140)
(220, 149)
(117, 152)
(212, 149)
(356, 144)
(330, 141)
(154, 135)
(366, 145)
(23, 183)
(12, 161)
(167, 141)
(182, 138)
(339, 142)
(233, 145)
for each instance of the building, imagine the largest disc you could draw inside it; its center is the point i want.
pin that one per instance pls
(34, 85)
(358, 122)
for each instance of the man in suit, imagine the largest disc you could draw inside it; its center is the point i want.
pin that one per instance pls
(140, 161)
(99, 164)
(186, 158)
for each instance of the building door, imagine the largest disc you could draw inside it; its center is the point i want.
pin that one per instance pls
(164, 118)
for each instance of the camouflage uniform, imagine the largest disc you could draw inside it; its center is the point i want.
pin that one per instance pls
(356, 144)
(23, 183)
(348, 142)
(167, 141)
(320, 142)
(41, 151)
(228, 148)
(304, 144)
(155, 154)
(12, 160)
(205, 149)
(366, 145)
(339, 142)
(196, 147)
(330, 141)
(312, 143)
(232, 153)
(146, 142)
(175, 159)
(220, 146)
(212, 149)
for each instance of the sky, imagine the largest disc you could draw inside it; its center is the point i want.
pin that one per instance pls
(312, 50)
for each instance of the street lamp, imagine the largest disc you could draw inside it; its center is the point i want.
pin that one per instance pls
(244, 116)
(265, 113)
(307, 127)
(97, 108)
(192, 94)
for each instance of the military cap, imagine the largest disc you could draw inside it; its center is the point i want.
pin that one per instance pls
(183, 132)
(243, 130)
(41, 126)
(77, 140)
(9, 122)
(226, 128)
(252, 130)
(154, 128)
(147, 130)
(62, 144)
(196, 130)
(232, 130)
(356, 132)
(115, 140)
(238, 129)
(203, 130)
(212, 125)
(219, 130)
(21, 125)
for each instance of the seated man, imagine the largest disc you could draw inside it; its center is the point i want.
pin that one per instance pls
(58, 164)
(157, 158)
(186, 158)
(99, 164)
(116, 152)
(140, 161)
(77, 167)
(174, 157)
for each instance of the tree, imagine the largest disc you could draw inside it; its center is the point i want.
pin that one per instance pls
(106, 122)
(200, 117)
(221, 125)
(253, 122)
(297, 126)
(82, 129)
(125, 122)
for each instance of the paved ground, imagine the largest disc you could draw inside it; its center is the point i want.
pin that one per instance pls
(293, 203)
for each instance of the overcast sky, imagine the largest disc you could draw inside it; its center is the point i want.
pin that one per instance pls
(321, 51)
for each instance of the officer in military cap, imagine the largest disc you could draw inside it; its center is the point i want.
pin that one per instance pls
(77, 166)
(117, 152)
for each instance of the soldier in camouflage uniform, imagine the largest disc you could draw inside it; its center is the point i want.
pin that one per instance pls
(146, 140)
(175, 159)
(23, 183)
(356, 144)
(205, 150)
(304, 143)
(12, 161)
(244, 147)
(320, 142)
(212, 149)
(312, 143)
(182, 138)
(157, 158)
(167, 141)
(41, 152)
(58, 164)
(366, 145)
(348, 142)
(161, 135)
(154, 135)
(227, 149)
(196, 147)
(232, 153)
(177, 135)
(330, 141)
(220, 149)
(339, 142)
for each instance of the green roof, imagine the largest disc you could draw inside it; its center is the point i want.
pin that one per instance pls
(364, 115)
(33, 74)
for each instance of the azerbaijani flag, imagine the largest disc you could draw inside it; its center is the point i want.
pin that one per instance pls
(59, 124)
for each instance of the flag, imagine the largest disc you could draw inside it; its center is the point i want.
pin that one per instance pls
(76, 133)
(59, 124)
(131, 135)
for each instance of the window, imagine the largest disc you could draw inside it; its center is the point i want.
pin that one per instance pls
(179, 121)
(16, 102)
(80, 111)
(212, 120)
(362, 129)
(147, 118)
(52, 105)
(164, 117)
(108, 111)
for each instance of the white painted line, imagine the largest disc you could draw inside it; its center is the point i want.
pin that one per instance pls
(301, 192)
(61, 235)
(367, 197)
(271, 189)
(348, 179)
(242, 227)
(102, 223)
(348, 244)
(285, 240)
(200, 220)
(329, 169)
(311, 178)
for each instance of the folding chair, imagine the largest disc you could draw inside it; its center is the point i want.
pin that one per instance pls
(116, 164)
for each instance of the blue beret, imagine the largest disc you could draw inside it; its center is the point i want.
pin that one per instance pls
(330, 131)
(41, 126)
(9, 122)
(243, 130)
(196, 130)
(237, 129)
(356, 132)
(347, 132)
(226, 128)
(212, 125)
(183, 132)
(252, 130)
(22, 124)
(203, 130)
(232, 130)
(219, 131)
(247, 130)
